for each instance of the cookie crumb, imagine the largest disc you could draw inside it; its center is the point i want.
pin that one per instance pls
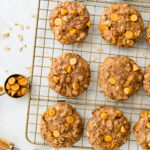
(29, 74)
(7, 48)
(6, 71)
(27, 67)
(20, 37)
(21, 26)
(5, 34)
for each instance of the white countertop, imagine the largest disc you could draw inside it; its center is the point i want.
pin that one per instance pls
(13, 112)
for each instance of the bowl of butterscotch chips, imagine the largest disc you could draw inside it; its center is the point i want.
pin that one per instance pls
(16, 85)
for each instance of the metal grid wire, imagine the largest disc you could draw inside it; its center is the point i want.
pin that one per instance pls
(94, 49)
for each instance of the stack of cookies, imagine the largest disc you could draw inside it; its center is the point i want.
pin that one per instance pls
(119, 78)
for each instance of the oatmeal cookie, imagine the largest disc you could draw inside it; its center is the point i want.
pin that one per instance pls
(121, 25)
(141, 130)
(148, 33)
(108, 129)
(119, 77)
(61, 125)
(146, 81)
(70, 22)
(70, 75)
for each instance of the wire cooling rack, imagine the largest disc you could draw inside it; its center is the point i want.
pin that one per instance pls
(94, 49)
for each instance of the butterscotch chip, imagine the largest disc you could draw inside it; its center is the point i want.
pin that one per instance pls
(119, 78)
(73, 61)
(146, 81)
(70, 120)
(23, 81)
(66, 124)
(63, 11)
(24, 91)
(105, 134)
(104, 116)
(8, 86)
(65, 37)
(1, 88)
(123, 130)
(133, 17)
(11, 80)
(15, 87)
(52, 112)
(70, 19)
(89, 24)
(76, 86)
(112, 81)
(129, 34)
(19, 93)
(114, 17)
(116, 20)
(74, 72)
(141, 130)
(58, 22)
(148, 144)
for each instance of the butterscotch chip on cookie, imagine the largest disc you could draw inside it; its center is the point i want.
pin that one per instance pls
(120, 77)
(146, 81)
(70, 75)
(148, 33)
(121, 25)
(141, 130)
(61, 125)
(69, 21)
(108, 129)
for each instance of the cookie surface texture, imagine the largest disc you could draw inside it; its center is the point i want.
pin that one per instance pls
(70, 22)
(61, 125)
(119, 77)
(108, 129)
(70, 75)
(121, 25)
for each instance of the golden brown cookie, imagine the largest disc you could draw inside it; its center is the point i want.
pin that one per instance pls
(146, 81)
(70, 75)
(148, 33)
(120, 77)
(141, 130)
(61, 125)
(69, 21)
(121, 25)
(108, 129)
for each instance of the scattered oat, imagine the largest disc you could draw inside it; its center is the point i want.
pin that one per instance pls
(29, 74)
(21, 26)
(33, 15)
(27, 27)
(6, 71)
(9, 28)
(27, 67)
(20, 48)
(5, 34)
(25, 46)
(15, 23)
(20, 37)
(7, 48)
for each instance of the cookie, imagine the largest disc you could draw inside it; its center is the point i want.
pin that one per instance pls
(61, 125)
(121, 25)
(148, 33)
(70, 22)
(108, 129)
(146, 81)
(119, 77)
(141, 130)
(70, 75)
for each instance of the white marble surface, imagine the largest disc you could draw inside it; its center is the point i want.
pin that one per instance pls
(13, 112)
